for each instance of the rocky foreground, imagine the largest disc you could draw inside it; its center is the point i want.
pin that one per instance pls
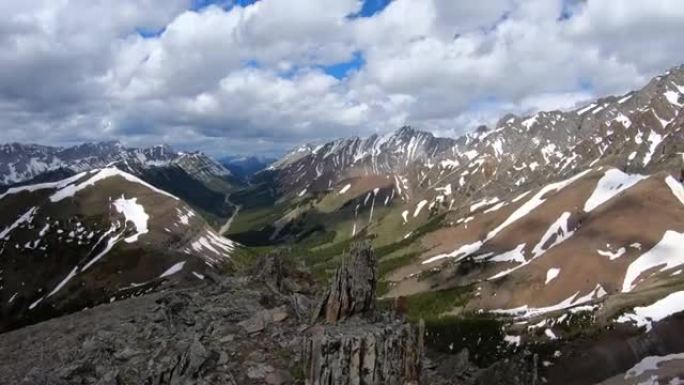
(274, 325)
(254, 329)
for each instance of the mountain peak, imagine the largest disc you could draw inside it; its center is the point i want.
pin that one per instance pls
(409, 132)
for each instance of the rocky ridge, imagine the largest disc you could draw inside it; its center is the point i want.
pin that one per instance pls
(641, 130)
(99, 236)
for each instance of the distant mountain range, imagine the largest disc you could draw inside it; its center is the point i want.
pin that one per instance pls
(195, 177)
(245, 166)
(21, 162)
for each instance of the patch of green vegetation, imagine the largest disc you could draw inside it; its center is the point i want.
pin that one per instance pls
(242, 258)
(317, 237)
(382, 289)
(432, 225)
(251, 219)
(432, 305)
(389, 264)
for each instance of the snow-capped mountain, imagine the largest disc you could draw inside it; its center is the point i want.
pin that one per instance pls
(326, 164)
(540, 213)
(640, 130)
(98, 236)
(20, 162)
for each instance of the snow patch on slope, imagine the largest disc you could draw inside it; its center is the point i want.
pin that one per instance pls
(667, 253)
(461, 252)
(134, 213)
(69, 276)
(612, 183)
(419, 207)
(173, 269)
(345, 189)
(652, 363)
(515, 255)
(559, 229)
(663, 308)
(535, 202)
(551, 274)
(43, 186)
(483, 203)
(526, 311)
(612, 255)
(676, 187)
(26, 217)
(654, 139)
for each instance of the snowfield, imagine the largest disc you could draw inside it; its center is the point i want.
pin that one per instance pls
(652, 363)
(661, 309)
(535, 202)
(612, 183)
(134, 213)
(559, 229)
(666, 254)
(173, 269)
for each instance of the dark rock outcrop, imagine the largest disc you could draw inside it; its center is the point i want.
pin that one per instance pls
(359, 352)
(355, 348)
(352, 291)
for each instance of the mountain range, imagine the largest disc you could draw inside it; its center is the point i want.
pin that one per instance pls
(245, 166)
(562, 225)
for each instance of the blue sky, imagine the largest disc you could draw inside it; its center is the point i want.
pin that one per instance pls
(343, 69)
(371, 7)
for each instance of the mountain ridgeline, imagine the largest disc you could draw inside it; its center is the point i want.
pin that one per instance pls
(554, 241)
(194, 177)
